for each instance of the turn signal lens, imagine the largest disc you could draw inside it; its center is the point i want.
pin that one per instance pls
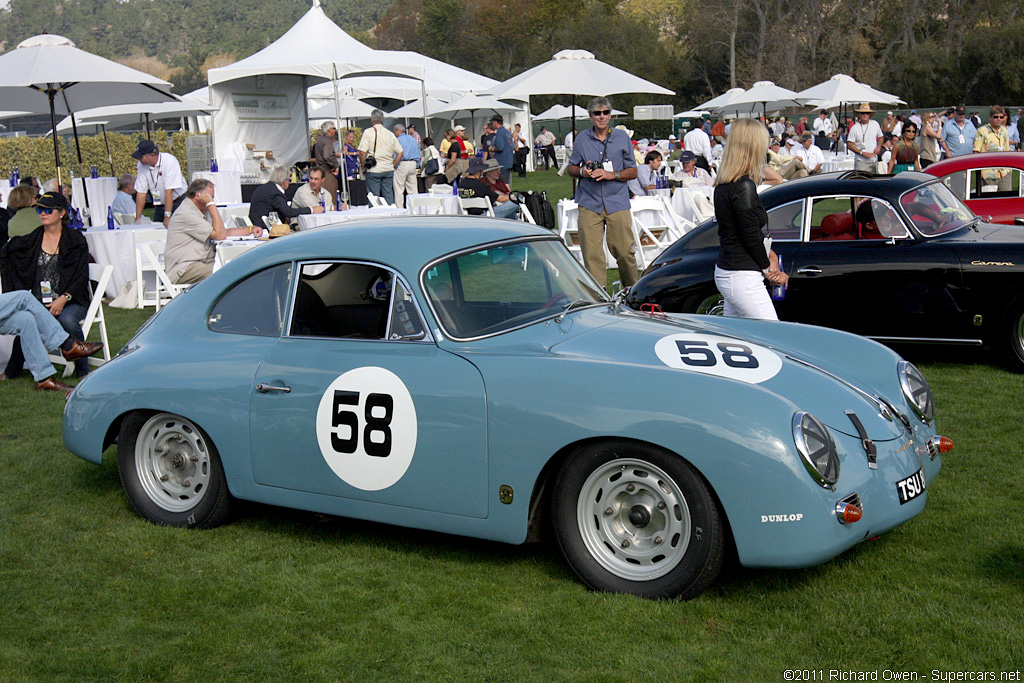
(848, 513)
(945, 444)
(939, 444)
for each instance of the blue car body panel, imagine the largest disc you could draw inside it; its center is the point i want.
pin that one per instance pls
(500, 411)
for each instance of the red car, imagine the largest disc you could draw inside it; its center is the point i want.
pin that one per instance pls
(991, 184)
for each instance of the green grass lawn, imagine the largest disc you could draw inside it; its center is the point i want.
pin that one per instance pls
(91, 592)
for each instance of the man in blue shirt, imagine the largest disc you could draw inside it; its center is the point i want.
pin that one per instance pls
(405, 172)
(602, 158)
(124, 200)
(958, 134)
(502, 147)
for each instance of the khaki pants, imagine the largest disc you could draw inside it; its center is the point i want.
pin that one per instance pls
(458, 168)
(794, 169)
(195, 272)
(404, 182)
(620, 243)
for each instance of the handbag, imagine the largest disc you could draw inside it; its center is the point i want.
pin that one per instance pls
(431, 167)
(371, 158)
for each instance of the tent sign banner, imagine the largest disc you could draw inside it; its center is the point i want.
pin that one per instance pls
(261, 107)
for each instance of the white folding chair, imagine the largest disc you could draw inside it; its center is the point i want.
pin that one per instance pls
(230, 249)
(124, 218)
(100, 275)
(374, 200)
(242, 222)
(428, 206)
(476, 203)
(153, 256)
(525, 214)
(140, 237)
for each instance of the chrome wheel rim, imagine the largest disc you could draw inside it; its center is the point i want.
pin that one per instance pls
(713, 305)
(172, 462)
(634, 519)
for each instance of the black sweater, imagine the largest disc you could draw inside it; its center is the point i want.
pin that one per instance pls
(741, 222)
(18, 259)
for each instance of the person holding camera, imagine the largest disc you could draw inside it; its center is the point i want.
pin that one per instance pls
(602, 158)
(379, 153)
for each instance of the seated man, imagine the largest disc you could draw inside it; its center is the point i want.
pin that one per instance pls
(690, 173)
(811, 154)
(124, 200)
(21, 314)
(271, 197)
(188, 256)
(788, 167)
(875, 221)
(313, 193)
(472, 185)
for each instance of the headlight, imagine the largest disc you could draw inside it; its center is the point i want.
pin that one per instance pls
(816, 449)
(917, 391)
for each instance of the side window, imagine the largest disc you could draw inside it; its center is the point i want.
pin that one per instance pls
(255, 306)
(832, 219)
(342, 300)
(957, 183)
(786, 222)
(885, 222)
(993, 183)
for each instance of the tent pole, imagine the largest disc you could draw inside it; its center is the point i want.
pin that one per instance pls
(343, 165)
(56, 147)
(572, 127)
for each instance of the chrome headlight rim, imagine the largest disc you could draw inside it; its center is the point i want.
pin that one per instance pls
(917, 391)
(804, 425)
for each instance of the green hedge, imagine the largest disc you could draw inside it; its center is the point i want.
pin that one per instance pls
(34, 156)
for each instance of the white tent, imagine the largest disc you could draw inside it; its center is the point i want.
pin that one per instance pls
(560, 111)
(262, 98)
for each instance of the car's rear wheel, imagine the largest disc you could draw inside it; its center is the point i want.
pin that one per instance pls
(711, 304)
(632, 518)
(1012, 334)
(171, 472)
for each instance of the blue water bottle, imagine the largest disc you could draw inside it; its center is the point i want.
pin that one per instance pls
(213, 165)
(17, 176)
(322, 203)
(455, 187)
(779, 291)
(110, 218)
(94, 171)
(337, 199)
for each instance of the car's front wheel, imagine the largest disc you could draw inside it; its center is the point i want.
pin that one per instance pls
(1012, 334)
(171, 472)
(631, 518)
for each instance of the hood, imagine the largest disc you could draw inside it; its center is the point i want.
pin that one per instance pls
(815, 369)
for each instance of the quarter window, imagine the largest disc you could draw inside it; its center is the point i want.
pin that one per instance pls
(786, 222)
(255, 305)
(995, 183)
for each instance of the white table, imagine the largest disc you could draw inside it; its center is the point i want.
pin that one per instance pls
(101, 191)
(5, 189)
(116, 248)
(683, 205)
(227, 184)
(312, 220)
(451, 203)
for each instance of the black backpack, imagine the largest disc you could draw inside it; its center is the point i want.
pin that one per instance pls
(540, 208)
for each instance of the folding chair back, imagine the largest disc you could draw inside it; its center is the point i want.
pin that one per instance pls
(140, 237)
(467, 203)
(429, 206)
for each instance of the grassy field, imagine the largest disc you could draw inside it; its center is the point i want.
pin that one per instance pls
(91, 592)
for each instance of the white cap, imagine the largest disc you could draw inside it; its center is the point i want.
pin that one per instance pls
(458, 128)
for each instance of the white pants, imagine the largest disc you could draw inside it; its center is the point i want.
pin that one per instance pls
(745, 294)
(404, 182)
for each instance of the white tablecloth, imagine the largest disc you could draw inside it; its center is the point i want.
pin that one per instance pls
(312, 220)
(102, 192)
(5, 189)
(683, 205)
(837, 164)
(115, 247)
(227, 185)
(451, 203)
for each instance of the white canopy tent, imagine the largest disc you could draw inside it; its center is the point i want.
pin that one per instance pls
(560, 111)
(262, 98)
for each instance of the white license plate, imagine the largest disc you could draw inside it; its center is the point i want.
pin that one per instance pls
(910, 488)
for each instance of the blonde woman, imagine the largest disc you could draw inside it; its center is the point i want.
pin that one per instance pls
(745, 259)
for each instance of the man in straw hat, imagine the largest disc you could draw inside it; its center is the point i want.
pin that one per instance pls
(865, 139)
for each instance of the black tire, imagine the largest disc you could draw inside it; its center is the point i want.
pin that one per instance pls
(661, 539)
(171, 472)
(708, 303)
(1011, 334)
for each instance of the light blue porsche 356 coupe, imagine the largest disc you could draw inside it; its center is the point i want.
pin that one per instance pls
(467, 375)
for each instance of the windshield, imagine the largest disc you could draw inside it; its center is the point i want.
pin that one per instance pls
(499, 288)
(935, 210)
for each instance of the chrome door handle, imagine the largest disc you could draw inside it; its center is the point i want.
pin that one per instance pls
(808, 270)
(264, 388)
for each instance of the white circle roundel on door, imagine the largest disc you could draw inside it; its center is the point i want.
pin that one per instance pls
(714, 355)
(366, 428)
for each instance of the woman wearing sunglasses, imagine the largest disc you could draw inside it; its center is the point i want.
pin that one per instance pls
(904, 152)
(52, 262)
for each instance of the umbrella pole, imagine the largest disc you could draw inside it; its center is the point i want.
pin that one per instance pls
(572, 127)
(74, 129)
(110, 157)
(148, 135)
(56, 147)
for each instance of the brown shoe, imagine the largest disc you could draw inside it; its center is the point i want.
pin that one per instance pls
(51, 384)
(81, 350)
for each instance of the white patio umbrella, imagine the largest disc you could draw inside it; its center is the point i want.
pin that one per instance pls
(345, 108)
(472, 103)
(415, 110)
(842, 88)
(574, 72)
(692, 114)
(560, 111)
(48, 73)
(719, 103)
(766, 94)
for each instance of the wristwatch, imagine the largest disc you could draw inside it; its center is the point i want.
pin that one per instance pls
(67, 295)
(616, 175)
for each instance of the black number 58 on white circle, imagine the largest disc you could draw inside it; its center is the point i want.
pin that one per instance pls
(721, 356)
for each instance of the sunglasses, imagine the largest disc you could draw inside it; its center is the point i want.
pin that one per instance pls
(40, 210)
(602, 112)
(997, 116)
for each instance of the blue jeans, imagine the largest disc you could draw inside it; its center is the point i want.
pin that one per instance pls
(38, 330)
(71, 320)
(382, 185)
(506, 210)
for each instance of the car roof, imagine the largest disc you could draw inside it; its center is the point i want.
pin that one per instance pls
(983, 159)
(844, 183)
(405, 243)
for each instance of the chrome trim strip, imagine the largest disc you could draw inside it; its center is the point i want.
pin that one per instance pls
(926, 340)
(883, 406)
